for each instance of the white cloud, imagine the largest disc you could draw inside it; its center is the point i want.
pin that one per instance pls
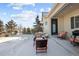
(42, 10)
(21, 4)
(33, 5)
(49, 9)
(25, 15)
(45, 10)
(26, 18)
(18, 6)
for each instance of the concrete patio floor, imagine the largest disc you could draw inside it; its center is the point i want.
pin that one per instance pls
(24, 47)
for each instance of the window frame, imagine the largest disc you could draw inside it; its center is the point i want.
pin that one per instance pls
(74, 22)
(72, 26)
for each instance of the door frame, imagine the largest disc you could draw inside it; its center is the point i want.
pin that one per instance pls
(56, 23)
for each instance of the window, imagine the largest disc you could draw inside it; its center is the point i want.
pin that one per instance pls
(72, 22)
(75, 22)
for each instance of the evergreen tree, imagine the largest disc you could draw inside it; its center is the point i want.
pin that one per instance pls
(32, 30)
(38, 27)
(24, 31)
(1, 26)
(11, 27)
(28, 31)
(37, 20)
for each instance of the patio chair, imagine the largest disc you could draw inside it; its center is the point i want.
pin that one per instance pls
(75, 38)
(41, 46)
(62, 35)
(74, 41)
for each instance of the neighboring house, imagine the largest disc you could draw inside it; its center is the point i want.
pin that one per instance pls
(44, 21)
(63, 17)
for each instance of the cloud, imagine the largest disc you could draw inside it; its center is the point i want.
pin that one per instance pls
(16, 8)
(42, 10)
(25, 15)
(45, 9)
(26, 18)
(48, 9)
(19, 6)
(33, 5)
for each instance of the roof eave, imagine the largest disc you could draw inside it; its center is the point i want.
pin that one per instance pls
(51, 13)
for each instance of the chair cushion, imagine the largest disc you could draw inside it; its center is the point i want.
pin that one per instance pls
(74, 40)
(62, 34)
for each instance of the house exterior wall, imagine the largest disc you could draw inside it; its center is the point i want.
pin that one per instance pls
(47, 25)
(64, 20)
(67, 21)
(60, 24)
(47, 28)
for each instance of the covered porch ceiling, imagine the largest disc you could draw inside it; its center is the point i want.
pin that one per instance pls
(68, 8)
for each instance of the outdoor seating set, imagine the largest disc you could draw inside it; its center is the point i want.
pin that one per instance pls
(41, 42)
(74, 40)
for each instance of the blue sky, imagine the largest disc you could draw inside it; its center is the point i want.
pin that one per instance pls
(23, 14)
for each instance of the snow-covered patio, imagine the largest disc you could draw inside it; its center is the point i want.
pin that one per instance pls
(23, 46)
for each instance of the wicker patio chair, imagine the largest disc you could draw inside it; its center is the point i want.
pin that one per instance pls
(41, 45)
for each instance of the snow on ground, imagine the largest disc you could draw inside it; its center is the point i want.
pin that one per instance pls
(23, 46)
(17, 37)
(4, 39)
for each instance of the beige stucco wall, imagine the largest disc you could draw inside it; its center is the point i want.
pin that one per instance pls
(60, 23)
(64, 23)
(67, 22)
(44, 26)
(47, 28)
